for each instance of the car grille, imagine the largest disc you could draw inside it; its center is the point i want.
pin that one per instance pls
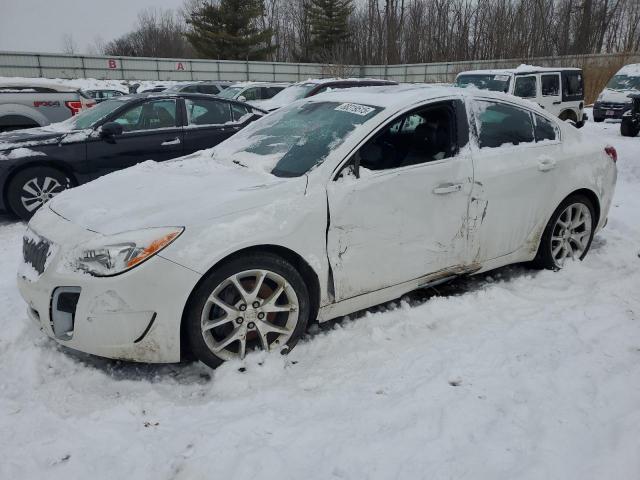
(613, 106)
(35, 252)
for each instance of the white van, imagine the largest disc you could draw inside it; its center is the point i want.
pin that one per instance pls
(613, 101)
(558, 90)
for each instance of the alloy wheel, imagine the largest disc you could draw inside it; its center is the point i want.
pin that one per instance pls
(39, 190)
(252, 309)
(571, 234)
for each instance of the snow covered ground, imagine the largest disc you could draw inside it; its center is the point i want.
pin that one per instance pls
(516, 374)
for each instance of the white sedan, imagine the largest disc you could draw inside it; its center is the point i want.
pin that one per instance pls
(331, 205)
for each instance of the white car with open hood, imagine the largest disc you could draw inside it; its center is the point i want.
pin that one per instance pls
(330, 205)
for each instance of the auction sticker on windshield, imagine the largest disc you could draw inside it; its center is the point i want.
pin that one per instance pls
(501, 78)
(361, 110)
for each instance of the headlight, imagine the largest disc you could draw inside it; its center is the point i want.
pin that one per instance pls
(118, 253)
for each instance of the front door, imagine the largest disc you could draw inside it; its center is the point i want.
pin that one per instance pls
(514, 180)
(152, 131)
(406, 214)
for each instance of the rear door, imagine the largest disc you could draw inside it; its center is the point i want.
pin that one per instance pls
(152, 131)
(516, 153)
(551, 98)
(209, 121)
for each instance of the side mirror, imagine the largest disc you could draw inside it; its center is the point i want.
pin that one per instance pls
(242, 98)
(111, 129)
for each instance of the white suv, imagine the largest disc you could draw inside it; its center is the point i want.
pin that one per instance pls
(560, 91)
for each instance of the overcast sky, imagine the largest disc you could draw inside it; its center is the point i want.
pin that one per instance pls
(39, 25)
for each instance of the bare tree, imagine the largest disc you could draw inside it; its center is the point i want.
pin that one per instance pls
(69, 45)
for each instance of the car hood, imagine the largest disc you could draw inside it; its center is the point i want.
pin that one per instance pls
(174, 193)
(615, 96)
(29, 136)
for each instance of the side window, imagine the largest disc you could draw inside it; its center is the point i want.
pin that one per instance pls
(208, 89)
(251, 93)
(544, 129)
(500, 124)
(149, 116)
(573, 85)
(239, 111)
(272, 91)
(550, 85)
(418, 137)
(207, 112)
(191, 89)
(525, 87)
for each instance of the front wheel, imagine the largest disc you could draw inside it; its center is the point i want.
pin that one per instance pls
(258, 301)
(31, 188)
(568, 234)
(628, 129)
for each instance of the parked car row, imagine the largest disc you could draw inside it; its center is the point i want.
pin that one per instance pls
(39, 163)
(331, 204)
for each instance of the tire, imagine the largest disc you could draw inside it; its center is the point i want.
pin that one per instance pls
(627, 129)
(577, 238)
(234, 325)
(30, 188)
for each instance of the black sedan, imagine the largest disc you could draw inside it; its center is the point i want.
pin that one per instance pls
(38, 163)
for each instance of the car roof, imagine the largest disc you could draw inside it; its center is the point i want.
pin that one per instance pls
(260, 84)
(632, 70)
(401, 96)
(51, 85)
(323, 81)
(521, 70)
(170, 95)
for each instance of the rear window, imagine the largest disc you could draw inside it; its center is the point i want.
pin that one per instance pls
(502, 124)
(493, 82)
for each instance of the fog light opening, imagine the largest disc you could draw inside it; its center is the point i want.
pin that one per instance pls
(63, 311)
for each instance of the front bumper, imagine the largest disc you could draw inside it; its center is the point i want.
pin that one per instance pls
(132, 316)
(609, 110)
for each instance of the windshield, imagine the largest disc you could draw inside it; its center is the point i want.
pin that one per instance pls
(495, 83)
(292, 93)
(230, 92)
(88, 118)
(624, 82)
(291, 141)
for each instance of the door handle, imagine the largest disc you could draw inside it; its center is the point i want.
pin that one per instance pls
(445, 188)
(546, 163)
(175, 141)
(557, 103)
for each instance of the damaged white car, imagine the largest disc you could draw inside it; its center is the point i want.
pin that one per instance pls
(328, 206)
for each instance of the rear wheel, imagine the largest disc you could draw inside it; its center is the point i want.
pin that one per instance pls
(254, 302)
(31, 188)
(568, 234)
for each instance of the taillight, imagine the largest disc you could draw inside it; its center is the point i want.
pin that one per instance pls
(611, 152)
(74, 105)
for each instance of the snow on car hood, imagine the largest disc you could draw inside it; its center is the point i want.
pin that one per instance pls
(615, 96)
(188, 191)
(30, 136)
